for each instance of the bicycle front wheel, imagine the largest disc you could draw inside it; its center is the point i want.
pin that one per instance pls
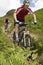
(27, 40)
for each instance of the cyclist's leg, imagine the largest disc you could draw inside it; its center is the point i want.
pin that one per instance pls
(16, 31)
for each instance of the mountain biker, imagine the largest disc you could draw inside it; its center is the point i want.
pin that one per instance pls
(19, 16)
(6, 23)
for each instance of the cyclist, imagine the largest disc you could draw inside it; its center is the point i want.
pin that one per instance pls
(6, 23)
(19, 15)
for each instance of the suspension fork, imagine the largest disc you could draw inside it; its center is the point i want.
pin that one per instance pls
(26, 33)
(24, 36)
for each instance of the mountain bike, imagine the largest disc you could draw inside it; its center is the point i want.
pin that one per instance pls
(24, 36)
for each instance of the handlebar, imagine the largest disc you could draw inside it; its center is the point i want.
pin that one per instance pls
(25, 24)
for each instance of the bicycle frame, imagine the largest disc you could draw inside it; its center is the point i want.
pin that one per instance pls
(23, 34)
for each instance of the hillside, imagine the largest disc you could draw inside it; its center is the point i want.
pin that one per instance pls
(10, 12)
(11, 54)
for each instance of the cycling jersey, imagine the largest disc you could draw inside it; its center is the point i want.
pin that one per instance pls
(21, 12)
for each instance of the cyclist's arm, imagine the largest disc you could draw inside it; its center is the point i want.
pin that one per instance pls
(14, 15)
(15, 18)
(35, 21)
(34, 16)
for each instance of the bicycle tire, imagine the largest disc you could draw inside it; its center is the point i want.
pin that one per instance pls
(28, 41)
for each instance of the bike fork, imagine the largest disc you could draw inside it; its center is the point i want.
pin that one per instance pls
(24, 40)
(29, 42)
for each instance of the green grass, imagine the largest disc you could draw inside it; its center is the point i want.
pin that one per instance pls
(11, 54)
(1, 21)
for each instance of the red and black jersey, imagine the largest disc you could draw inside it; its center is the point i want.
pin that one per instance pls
(21, 12)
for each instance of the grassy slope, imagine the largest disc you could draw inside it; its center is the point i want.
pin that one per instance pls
(11, 54)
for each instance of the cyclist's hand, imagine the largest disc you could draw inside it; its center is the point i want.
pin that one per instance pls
(16, 20)
(35, 22)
